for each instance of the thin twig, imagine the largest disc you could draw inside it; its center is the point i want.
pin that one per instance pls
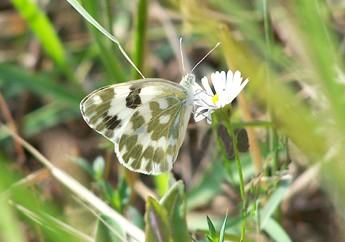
(109, 226)
(33, 178)
(309, 177)
(143, 191)
(9, 119)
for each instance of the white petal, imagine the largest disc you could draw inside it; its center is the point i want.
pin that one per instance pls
(229, 81)
(203, 102)
(199, 118)
(229, 76)
(209, 117)
(201, 98)
(234, 93)
(237, 79)
(218, 81)
(206, 85)
(200, 114)
(223, 99)
(227, 86)
(204, 115)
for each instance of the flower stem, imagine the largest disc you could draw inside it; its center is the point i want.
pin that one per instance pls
(223, 115)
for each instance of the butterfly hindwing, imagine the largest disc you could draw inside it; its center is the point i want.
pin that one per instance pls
(153, 136)
(151, 113)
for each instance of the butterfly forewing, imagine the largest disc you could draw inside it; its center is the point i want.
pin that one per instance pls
(145, 119)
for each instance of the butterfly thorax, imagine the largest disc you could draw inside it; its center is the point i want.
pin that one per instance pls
(187, 82)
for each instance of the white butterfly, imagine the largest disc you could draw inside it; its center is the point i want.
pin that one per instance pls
(145, 119)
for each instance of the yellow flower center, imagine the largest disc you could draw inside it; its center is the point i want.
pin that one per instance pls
(215, 99)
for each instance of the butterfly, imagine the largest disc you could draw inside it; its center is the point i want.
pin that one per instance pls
(145, 119)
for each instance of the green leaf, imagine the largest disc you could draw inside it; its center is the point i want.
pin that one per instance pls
(9, 225)
(273, 203)
(135, 216)
(174, 202)
(76, 5)
(213, 236)
(43, 29)
(157, 227)
(108, 231)
(222, 230)
(140, 36)
(11, 75)
(276, 232)
(46, 117)
(208, 187)
(98, 168)
(35, 211)
(107, 53)
(162, 183)
(121, 195)
(211, 229)
(10, 229)
(45, 33)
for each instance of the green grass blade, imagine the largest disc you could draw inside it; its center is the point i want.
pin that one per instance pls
(76, 5)
(108, 230)
(208, 187)
(9, 226)
(157, 227)
(41, 85)
(140, 37)
(174, 202)
(83, 12)
(162, 183)
(276, 232)
(10, 229)
(273, 203)
(212, 230)
(46, 117)
(107, 55)
(45, 33)
(320, 43)
(222, 230)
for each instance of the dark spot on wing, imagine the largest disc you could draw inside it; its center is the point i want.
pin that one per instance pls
(112, 121)
(133, 99)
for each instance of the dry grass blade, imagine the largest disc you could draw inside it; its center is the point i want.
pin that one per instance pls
(79, 190)
(64, 226)
(8, 117)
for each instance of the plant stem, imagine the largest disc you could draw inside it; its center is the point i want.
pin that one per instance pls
(223, 115)
(109, 15)
(112, 66)
(273, 134)
(140, 37)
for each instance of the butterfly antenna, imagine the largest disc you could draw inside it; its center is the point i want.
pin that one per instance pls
(181, 53)
(93, 22)
(215, 47)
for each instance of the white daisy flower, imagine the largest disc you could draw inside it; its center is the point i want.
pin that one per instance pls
(226, 86)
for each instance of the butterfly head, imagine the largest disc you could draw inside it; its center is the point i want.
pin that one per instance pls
(188, 81)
